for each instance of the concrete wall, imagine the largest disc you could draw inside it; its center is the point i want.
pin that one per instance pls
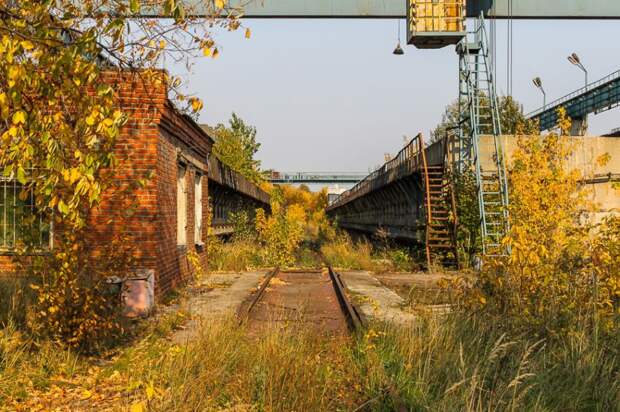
(599, 179)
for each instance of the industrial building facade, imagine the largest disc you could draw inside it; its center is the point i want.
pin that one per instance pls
(165, 217)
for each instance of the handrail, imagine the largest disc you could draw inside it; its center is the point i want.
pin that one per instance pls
(404, 157)
(455, 216)
(427, 189)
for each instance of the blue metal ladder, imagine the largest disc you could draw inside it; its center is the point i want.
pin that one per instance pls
(479, 115)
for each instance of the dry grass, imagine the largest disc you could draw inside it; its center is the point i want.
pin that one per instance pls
(454, 363)
(345, 253)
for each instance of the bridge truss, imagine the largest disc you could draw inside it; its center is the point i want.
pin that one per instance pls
(596, 97)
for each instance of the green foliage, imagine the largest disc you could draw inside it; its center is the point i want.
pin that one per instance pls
(511, 115)
(243, 225)
(454, 363)
(469, 363)
(468, 211)
(236, 146)
(280, 234)
(236, 255)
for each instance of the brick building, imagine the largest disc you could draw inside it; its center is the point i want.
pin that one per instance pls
(165, 217)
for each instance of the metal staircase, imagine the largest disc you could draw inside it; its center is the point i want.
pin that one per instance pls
(479, 115)
(441, 220)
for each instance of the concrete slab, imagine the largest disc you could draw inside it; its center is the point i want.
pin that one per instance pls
(375, 300)
(216, 296)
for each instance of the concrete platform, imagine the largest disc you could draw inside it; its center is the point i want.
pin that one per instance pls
(374, 299)
(217, 296)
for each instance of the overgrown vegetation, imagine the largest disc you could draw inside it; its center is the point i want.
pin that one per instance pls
(298, 233)
(60, 122)
(342, 252)
(511, 115)
(460, 363)
(562, 275)
(236, 146)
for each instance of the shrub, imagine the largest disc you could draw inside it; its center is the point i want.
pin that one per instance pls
(74, 305)
(561, 276)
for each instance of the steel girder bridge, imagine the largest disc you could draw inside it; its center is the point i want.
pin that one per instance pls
(596, 97)
(408, 198)
(230, 192)
(315, 177)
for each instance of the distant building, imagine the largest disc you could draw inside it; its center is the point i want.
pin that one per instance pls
(333, 192)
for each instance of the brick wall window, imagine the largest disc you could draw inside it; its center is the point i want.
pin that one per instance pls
(198, 209)
(181, 206)
(19, 221)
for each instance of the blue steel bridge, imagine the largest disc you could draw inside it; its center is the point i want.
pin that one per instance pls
(316, 177)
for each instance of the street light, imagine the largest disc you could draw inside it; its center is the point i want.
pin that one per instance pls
(538, 83)
(576, 61)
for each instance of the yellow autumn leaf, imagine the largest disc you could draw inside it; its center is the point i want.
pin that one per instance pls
(27, 45)
(150, 391)
(137, 407)
(85, 393)
(248, 33)
(207, 51)
(219, 4)
(196, 104)
(19, 117)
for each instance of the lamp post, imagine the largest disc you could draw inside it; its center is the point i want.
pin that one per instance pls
(538, 83)
(580, 126)
(576, 61)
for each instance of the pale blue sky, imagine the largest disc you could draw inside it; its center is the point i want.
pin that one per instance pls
(328, 95)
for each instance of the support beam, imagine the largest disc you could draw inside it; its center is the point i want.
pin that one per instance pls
(526, 9)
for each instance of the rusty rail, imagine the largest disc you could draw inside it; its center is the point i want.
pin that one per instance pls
(355, 320)
(259, 294)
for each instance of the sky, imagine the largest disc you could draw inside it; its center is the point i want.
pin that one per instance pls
(329, 95)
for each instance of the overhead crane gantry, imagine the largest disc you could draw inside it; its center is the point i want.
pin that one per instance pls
(501, 9)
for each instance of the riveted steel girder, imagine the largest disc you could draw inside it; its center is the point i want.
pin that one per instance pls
(531, 9)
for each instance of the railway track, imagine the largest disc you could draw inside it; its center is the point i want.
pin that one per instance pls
(307, 298)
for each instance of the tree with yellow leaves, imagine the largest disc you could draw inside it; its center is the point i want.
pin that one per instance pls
(60, 120)
(563, 271)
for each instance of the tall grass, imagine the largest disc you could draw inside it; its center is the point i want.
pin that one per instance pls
(236, 255)
(343, 252)
(470, 364)
(454, 363)
(280, 371)
(15, 296)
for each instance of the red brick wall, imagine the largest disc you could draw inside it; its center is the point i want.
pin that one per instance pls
(181, 142)
(129, 210)
(150, 146)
